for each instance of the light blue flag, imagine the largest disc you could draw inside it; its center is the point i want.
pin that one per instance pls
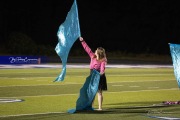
(175, 54)
(67, 34)
(87, 93)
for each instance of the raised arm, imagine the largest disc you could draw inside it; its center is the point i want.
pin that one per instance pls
(86, 47)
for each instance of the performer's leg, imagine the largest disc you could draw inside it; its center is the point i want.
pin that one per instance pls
(100, 99)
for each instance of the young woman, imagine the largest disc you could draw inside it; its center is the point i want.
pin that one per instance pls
(98, 62)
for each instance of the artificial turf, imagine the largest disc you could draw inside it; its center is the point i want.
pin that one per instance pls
(133, 93)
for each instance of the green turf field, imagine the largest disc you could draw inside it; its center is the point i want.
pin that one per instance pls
(133, 94)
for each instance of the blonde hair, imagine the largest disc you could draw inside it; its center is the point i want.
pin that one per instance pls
(101, 54)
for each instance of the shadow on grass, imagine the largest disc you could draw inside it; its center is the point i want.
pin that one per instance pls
(142, 109)
(126, 109)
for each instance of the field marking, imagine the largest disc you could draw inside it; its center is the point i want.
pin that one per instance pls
(74, 83)
(86, 76)
(19, 115)
(83, 66)
(35, 77)
(142, 74)
(41, 85)
(163, 118)
(142, 81)
(143, 90)
(10, 100)
(104, 92)
(153, 87)
(32, 78)
(134, 86)
(118, 85)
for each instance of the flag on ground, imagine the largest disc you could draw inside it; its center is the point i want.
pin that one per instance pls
(87, 93)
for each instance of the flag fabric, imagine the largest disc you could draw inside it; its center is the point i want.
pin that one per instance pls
(87, 93)
(68, 33)
(175, 54)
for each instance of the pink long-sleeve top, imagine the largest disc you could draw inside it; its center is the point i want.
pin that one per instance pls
(94, 64)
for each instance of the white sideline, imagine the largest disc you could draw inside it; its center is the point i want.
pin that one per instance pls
(83, 66)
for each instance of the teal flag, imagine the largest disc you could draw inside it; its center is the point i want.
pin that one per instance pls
(87, 93)
(175, 54)
(68, 33)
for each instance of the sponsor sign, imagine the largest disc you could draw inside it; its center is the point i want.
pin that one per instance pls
(22, 60)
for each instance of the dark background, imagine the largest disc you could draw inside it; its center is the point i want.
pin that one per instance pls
(130, 26)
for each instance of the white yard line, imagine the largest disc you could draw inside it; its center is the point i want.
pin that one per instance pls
(42, 85)
(141, 81)
(134, 86)
(118, 85)
(142, 90)
(9, 100)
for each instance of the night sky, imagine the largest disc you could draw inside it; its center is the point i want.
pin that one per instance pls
(138, 26)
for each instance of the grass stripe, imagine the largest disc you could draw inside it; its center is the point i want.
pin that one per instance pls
(73, 83)
(18, 115)
(144, 90)
(104, 92)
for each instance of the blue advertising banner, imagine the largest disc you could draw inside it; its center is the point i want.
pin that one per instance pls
(22, 60)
